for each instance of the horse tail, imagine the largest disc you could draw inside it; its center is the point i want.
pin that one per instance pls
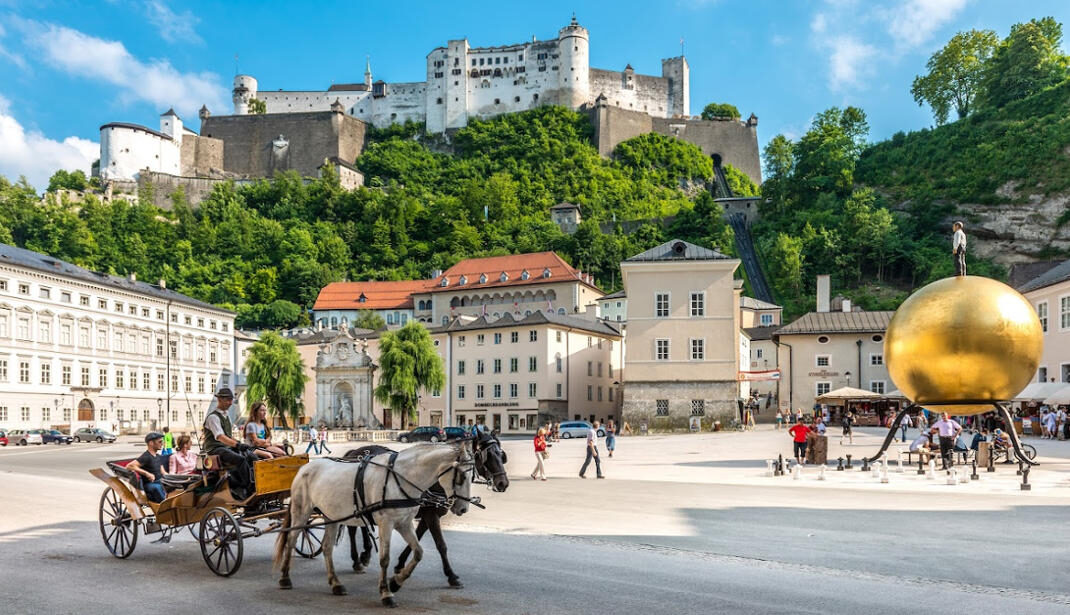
(282, 541)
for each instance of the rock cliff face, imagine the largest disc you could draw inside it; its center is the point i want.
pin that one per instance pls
(1020, 230)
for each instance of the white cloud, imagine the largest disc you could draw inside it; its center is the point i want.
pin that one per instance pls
(10, 56)
(850, 62)
(819, 24)
(30, 153)
(173, 27)
(914, 21)
(155, 81)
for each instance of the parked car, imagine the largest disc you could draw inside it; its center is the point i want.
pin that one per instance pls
(48, 436)
(423, 434)
(87, 434)
(25, 437)
(3, 438)
(455, 433)
(578, 429)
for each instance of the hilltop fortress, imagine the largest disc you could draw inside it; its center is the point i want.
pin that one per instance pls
(300, 130)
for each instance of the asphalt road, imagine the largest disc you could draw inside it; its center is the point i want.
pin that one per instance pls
(623, 545)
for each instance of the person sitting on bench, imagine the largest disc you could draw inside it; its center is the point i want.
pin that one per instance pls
(148, 467)
(922, 445)
(236, 456)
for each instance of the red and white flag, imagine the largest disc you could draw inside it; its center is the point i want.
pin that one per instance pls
(484, 309)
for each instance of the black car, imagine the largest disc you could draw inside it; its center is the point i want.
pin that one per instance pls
(423, 434)
(456, 433)
(49, 436)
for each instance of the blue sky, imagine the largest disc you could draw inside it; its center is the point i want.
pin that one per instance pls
(66, 68)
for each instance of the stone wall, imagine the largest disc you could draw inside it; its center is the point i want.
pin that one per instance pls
(310, 138)
(647, 93)
(200, 155)
(640, 403)
(162, 185)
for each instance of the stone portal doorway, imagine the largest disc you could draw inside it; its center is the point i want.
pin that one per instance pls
(85, 410)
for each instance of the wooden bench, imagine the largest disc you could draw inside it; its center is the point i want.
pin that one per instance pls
(913, 456)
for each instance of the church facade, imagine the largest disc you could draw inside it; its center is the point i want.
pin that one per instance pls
(344, 383)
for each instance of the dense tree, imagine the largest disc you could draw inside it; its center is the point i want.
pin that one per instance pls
(275, 374)
(257, 106)
(825, 156)
(367, 319)
(73, 180)
(955, 71)
(1024, 63)
(720, 110)
(408, 365)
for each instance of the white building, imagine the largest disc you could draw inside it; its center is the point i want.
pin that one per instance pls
(85, 349)
(479, 82)
(1049, 292)
(614, 307)
(126, 149)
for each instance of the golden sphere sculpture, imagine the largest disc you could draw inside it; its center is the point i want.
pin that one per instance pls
(964, 338)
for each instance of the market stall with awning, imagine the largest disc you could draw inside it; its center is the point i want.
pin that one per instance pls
(870, 408)
(1039, 391)
(1060, 397)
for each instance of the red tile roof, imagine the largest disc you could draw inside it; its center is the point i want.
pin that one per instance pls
(513, 265)
(377, 295)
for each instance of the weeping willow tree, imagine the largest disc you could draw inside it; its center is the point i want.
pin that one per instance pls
(276, 374)
(408, 364)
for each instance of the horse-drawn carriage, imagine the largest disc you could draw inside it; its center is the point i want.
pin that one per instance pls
(203, 504)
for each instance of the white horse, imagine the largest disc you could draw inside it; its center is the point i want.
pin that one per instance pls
(328, 486)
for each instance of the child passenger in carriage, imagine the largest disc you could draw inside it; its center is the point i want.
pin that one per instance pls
(258, 434)
(183, 460)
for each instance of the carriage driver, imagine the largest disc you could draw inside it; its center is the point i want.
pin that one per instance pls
(233, 455)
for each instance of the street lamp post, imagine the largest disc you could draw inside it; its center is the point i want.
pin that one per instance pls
(848, 376)
(55, 407)
(159, 409)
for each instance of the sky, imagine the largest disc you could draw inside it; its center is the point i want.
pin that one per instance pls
(66, 68)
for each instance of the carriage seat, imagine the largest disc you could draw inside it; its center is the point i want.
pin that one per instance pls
(120, 470)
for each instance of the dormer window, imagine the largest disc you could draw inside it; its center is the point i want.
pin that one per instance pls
(525, 275)
(482, 278)
(503, 277)
(362, 298)
(445, 282)
(463, 280)
(546, 272)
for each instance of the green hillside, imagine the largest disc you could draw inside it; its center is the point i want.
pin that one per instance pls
(266, 249)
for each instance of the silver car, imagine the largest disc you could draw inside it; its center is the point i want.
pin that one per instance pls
(578, 429)
(86, 434)
(24, 437)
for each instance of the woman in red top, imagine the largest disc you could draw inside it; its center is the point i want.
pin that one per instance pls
(540, 453)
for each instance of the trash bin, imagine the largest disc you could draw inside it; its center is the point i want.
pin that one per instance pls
(717, 425)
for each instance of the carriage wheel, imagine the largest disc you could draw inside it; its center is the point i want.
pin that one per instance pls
(221, 542)
(117, 528)
(309, 542)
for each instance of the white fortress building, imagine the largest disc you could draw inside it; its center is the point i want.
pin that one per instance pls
(480, 82)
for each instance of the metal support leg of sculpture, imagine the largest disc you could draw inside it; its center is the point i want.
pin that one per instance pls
(1013, 435)
(891, 433)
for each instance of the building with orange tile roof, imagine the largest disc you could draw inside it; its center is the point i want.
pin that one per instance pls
(393, 301)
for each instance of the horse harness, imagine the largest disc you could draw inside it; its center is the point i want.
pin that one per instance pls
(426, 497)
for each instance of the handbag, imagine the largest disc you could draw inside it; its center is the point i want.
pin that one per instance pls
(545, 454)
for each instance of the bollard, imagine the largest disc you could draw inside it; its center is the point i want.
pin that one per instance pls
(974, 475)
(1025, 481)
(991, 461)
(921, 466)
(839, 468)
(796, 472)
(899, 460)
(768, 467)
(952, 477)
(865, 464)
(821, 473)
(884, 473)
(932, 470)
(848, 462)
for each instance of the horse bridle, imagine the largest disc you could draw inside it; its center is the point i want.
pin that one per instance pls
(461, 469)
(483, 446)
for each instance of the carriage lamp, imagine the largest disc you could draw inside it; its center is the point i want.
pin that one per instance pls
(847, 375)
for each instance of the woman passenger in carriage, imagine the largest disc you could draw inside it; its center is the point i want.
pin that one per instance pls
(183, 460)
(258, 434)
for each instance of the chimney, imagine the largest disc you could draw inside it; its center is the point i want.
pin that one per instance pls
(823, 292)
(162, 284)
(846, 305)
(133, 276)
(437, 273)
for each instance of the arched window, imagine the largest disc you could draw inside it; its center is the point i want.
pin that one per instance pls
(561, 311)
(334, 321)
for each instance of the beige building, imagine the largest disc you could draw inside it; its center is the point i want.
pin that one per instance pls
(515, 374)
(683, 336)
(1049, 292)
(759, 319)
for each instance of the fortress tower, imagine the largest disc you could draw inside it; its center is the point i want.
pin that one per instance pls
(574, 77)
(678, 73)
(244, 91)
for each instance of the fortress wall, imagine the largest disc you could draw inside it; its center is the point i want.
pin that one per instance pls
(311, 138)
(735, 141)
(200, 154)
(403, 101)
(163, 185)
(649, 94)
(613, 125)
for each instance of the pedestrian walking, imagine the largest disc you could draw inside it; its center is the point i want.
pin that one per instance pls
(779, 418)
(168, 442)
(958, 248)
(922, 421)
(847, 422)
(540, 454)
(798, 433)
(798, 416)
(592, 452)
(904, 426)
(947, 430)
(611, 437)
(313, 441)
(323, 439)
(1060, 423)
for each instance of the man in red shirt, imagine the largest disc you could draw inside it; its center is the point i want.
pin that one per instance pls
(798, 433)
